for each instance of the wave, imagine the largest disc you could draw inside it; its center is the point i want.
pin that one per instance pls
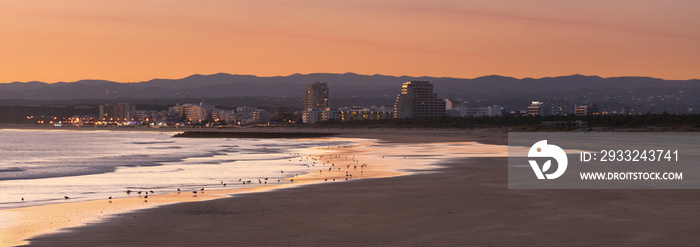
(12, 169)
(49, 172)
(173, 147)
(153, 142)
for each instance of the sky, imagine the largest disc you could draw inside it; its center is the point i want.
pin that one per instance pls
(138, 40)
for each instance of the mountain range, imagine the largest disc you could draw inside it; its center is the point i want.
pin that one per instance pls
(381, 89)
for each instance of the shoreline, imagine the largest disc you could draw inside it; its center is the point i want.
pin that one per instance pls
(256, 135)
(167, 199)
(490, 135)
(51, 218)
(466, 203)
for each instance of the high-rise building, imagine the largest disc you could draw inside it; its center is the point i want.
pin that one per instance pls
(123, 112)
(316, 96)
(195, 113)
(417, 100)
(106, 112)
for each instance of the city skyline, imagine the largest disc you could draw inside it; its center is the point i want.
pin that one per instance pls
(130, 41)
(637, 93)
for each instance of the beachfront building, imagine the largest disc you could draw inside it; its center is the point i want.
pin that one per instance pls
(587, 110)
(146, 116)
(312, 115)
(105, 112)
(448, 104)
(489, 111)
(348, 114)
(261, 116)
(316, 96)
(564, 124)
(122, 112)
(368, 113)
(194, 113)
(315, 102)
(417, 100)
(537, 108)
(543, 108)
(279, 112)
(225, 116)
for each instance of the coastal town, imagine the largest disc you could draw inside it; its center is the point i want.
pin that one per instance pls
(416, 99)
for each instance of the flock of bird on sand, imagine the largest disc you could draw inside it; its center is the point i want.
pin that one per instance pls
(327, 162)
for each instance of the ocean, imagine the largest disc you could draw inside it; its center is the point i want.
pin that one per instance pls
(44, 166)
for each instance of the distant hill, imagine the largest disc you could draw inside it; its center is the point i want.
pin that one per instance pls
(657, 94)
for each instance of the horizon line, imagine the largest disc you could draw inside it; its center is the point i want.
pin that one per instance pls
(398, 76)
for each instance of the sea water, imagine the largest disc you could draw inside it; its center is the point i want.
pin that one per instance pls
(44, 166)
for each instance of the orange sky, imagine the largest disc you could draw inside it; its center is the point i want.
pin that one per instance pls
(136, 40)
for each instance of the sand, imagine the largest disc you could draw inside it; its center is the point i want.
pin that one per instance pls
(343, 163)
(465, 203)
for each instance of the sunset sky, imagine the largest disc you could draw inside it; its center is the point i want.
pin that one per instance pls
(137, 40)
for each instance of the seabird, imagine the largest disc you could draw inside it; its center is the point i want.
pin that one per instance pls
(66, 197)
(110, 198)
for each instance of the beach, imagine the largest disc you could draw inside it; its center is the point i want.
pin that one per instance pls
(386, 160)
(462, 202)
(467, 204)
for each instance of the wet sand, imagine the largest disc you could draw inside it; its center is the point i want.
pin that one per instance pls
(466, 203)
(493, 135)
(32, 221)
